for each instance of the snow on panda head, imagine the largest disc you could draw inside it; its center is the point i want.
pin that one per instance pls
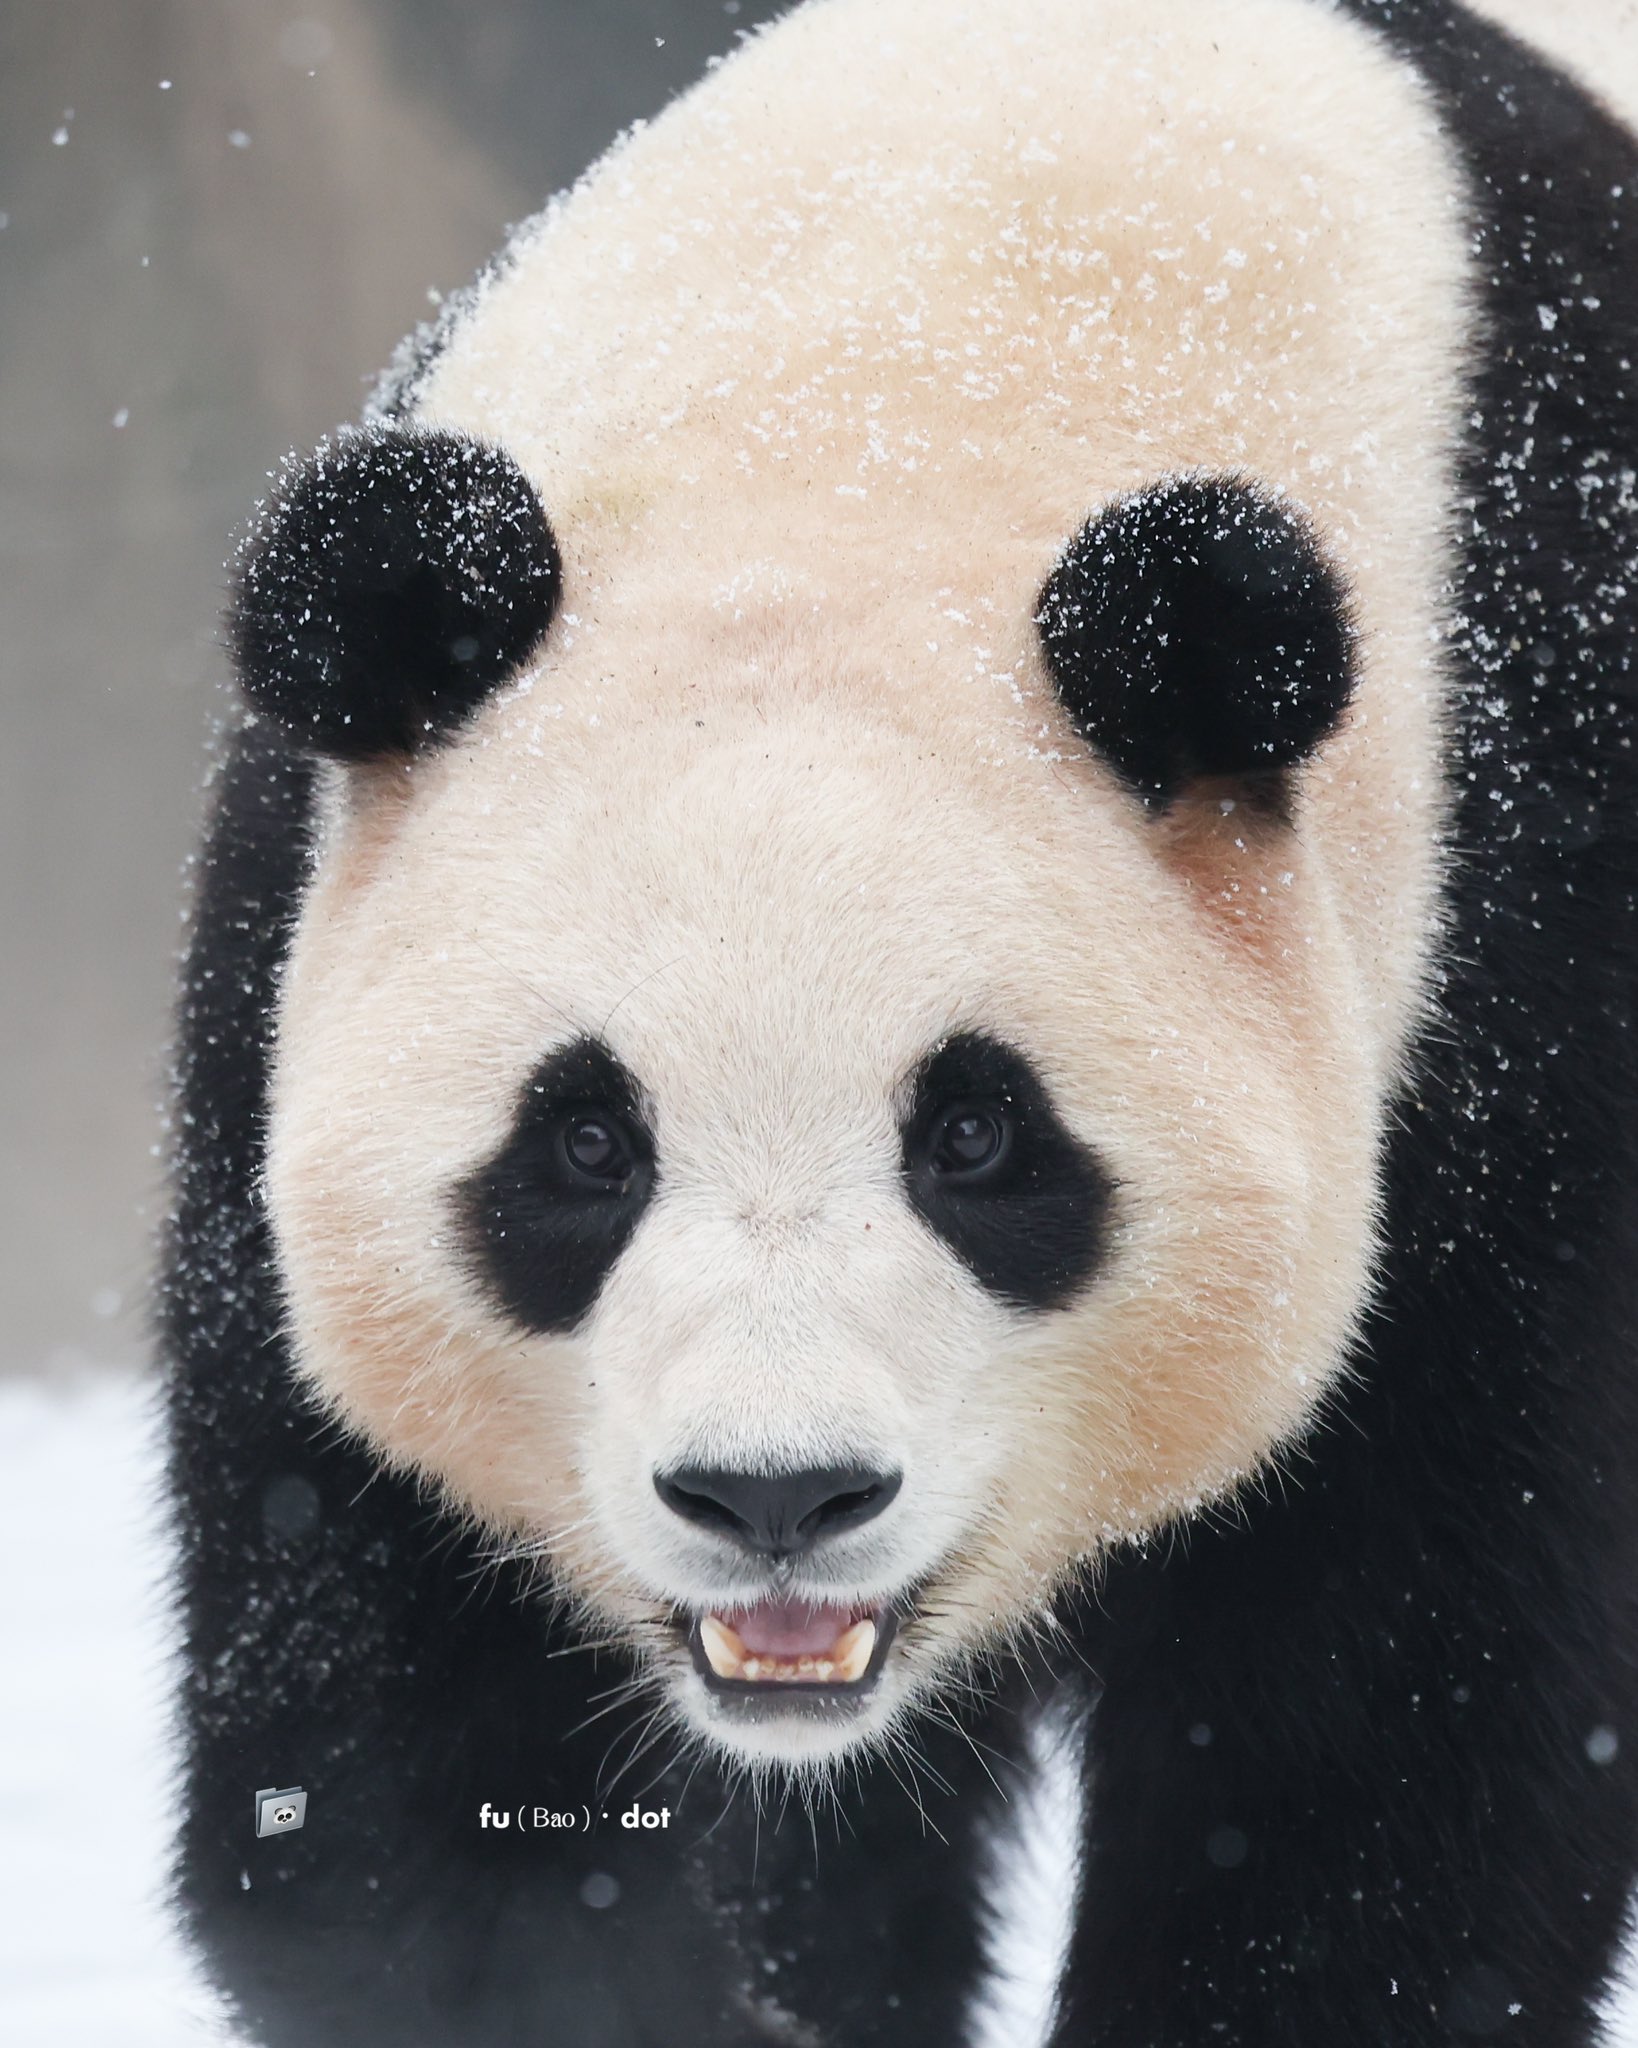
(829, 1071)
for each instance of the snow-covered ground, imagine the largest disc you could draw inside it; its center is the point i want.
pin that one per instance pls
(87, 1955)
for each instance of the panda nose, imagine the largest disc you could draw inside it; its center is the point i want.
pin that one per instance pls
(779, 1514)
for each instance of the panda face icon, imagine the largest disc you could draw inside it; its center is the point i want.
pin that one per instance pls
(280, 1810)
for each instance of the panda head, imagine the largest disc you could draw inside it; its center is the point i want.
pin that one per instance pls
(809, 1174)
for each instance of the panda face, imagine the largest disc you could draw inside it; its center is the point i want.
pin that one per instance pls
(814, 1184)
(833, 1061)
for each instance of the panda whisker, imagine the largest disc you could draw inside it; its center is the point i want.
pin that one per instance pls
(589, 1645)
(607, 1786)
(495, 1561)
(949, 1720)
(691, 1746)
(670, 1764)
(895, 1745)
(530, 1589)
(839, 1816)
(523, 981)
(480, 1580)
(624, 1696)
(642, 982)
(731, 1792)
(328, 1433)
(756, 1829)
(804, 1787)
(626, 1688)
(370, 1477)
(1064, 1639)
(935, 1775)
(786, 1783)
(646, 1733)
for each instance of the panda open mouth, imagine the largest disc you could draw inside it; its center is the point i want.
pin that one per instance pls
(792, 1646)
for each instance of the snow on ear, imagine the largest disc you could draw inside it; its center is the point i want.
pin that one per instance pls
(1194, 633)
(396, 577)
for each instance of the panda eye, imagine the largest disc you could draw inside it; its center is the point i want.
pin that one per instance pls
(969, 1141)
(597, 1146)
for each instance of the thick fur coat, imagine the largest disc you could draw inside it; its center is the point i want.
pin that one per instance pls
(912, 407)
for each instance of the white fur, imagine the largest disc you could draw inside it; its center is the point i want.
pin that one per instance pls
(815, 377)
(1031, 1888)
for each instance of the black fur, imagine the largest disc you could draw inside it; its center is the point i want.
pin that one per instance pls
(542, 1235)
(1193, 632)
(1364, 1764)
(1030, 1226)
(398, 576)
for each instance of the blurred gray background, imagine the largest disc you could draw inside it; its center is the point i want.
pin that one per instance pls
(217, 217)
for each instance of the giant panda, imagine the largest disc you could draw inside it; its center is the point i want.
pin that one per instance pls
(902, 1297)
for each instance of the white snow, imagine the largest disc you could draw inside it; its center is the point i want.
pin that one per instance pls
(88, 1957)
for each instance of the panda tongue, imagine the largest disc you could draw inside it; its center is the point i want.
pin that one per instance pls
(788, 1628)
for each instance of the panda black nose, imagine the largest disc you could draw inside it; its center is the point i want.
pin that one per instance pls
(778, 1514)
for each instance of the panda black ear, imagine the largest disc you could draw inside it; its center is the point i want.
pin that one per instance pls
(1194, 632)
(397, 576)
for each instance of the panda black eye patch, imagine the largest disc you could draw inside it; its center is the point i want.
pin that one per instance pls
(991, 1168)
(544, 1220)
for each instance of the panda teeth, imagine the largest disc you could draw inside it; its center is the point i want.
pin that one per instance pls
(852, 1649)
(723, 1649)
(847, 1662)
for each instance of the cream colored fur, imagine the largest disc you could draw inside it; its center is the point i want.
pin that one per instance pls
(815, 376)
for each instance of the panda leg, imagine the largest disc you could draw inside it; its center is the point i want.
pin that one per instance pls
(1357, 1784)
